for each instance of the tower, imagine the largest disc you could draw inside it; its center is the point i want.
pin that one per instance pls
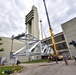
(31, 21)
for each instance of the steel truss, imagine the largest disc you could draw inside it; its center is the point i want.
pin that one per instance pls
(33, 46)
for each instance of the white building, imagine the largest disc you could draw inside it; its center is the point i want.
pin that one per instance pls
(16, 46)
(7, 48)
(69, 30)
(31, 21)
(32, 27)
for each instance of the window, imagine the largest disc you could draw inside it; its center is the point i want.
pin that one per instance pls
(59, 38)
(61, 46)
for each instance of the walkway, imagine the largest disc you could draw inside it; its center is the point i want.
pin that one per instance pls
(49, 69)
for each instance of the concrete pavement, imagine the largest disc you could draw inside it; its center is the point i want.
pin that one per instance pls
(49, 68)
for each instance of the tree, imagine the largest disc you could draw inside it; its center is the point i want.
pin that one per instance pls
(2, 49)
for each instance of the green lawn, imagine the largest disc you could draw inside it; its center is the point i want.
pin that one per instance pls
(3, 68)
(36, 61)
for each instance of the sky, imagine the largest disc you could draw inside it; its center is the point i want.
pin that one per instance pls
(13, 12)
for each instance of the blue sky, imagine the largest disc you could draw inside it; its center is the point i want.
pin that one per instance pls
(12, 15)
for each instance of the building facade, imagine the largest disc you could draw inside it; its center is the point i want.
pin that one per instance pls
(31, 21)
(69, 30)
(60, 43)
(17, 45)
(7, 48)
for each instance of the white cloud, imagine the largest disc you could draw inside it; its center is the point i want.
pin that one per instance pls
(60, 11)
(12, 14)
(11, 18)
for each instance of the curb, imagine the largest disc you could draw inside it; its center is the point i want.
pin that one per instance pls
(18, 71)
(21, 70)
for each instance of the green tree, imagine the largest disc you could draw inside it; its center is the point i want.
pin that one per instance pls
(2, 49)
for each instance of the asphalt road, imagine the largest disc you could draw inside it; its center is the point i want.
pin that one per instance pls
(49, 68)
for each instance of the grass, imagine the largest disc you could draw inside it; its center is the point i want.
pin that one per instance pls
(36, 61)
(3, 68)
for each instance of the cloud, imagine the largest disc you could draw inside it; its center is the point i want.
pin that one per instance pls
(59, 12)
(11, 18)
(12, 15)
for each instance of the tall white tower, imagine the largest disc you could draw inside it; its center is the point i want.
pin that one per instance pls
(31, 21)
